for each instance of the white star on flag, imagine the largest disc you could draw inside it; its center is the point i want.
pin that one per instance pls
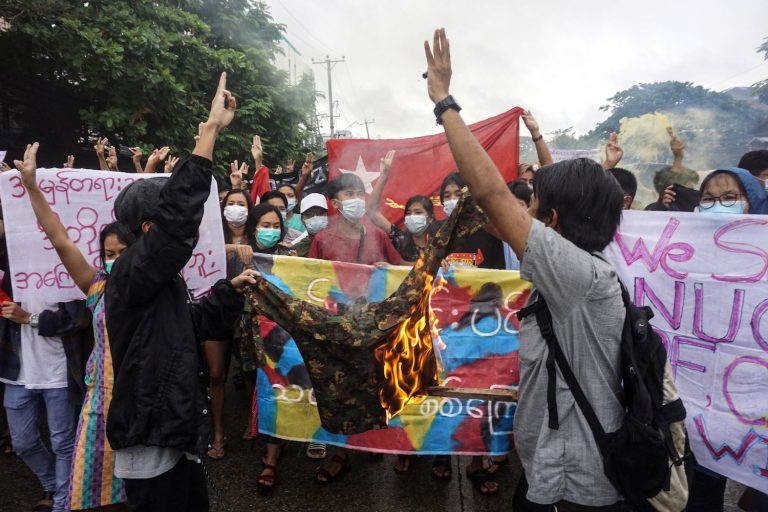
(364, 174)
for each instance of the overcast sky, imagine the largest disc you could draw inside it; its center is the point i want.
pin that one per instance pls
(561, 59)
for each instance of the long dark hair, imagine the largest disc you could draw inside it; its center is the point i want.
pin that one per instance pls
(225, 224)
(255, 215)
(122, 233)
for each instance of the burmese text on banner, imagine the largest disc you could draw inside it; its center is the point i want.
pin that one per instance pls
(83, 201)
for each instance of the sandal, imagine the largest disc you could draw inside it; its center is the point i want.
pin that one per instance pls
(266, 483)
(316, 450)
(441, 467)
(403, 464)
(323, 476)
(480, 478)
(495, 465)
(217, 452)
(45, 504)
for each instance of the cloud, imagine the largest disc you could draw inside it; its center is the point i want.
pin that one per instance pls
(560, 59)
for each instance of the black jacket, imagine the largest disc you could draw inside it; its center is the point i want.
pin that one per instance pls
(159, 395)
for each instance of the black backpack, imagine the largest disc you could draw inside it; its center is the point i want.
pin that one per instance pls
(648, 459)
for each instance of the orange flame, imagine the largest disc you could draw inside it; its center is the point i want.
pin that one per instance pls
(408, 359)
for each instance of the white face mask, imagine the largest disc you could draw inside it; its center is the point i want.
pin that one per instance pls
(353, 209)
(316, 224)
(291, 203)
(236, 214)
(416, 224)
(449, 205)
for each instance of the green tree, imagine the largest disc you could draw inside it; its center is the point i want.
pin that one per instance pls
(715, 126)
(142, 73)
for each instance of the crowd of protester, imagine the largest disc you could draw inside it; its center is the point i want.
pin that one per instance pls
(110, 450)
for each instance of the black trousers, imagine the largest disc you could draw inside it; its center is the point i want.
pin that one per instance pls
(182, 489)
(707, 492)
(521, 504)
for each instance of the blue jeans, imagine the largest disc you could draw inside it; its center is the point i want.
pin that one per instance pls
(23, 408)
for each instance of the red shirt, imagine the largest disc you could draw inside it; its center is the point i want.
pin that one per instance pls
(330, 244)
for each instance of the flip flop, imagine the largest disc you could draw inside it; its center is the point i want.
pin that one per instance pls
(327, 476)
(442, 462)
(480, 478)
(316, 450)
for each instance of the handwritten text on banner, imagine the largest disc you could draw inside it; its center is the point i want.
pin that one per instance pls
(83, 201)
(705, 278)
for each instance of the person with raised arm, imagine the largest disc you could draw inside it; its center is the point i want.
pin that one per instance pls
(419, 217)
(575, 212)
(159, 419)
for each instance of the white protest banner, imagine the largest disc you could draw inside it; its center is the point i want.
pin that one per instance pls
(704, 276)
(558, 155)
(2, 157)
(83, 201)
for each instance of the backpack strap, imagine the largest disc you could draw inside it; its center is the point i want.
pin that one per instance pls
(544, 319)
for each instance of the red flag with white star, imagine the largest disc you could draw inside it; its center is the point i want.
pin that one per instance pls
(421, 163)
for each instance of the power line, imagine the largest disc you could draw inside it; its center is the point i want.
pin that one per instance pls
(309, 33)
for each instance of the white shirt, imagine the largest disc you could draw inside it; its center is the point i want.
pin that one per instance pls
(43, 360)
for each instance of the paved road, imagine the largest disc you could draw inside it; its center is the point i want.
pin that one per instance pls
(372, 485)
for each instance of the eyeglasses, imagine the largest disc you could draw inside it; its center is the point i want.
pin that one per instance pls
(728, 199)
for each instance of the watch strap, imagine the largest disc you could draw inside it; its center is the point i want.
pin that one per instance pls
(441, 106)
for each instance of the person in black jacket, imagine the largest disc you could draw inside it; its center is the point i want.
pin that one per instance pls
(158, 422)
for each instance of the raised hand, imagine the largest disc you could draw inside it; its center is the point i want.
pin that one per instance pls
(136, 154)
(279, 169)
(170, 163)
(236, 173)
(613, 152)
(290, 165)
(257, 152)
(306, 167)
(70, 163)
(438, 66)
(112, 159)
(669, 196)
(163, 153)
(531, 124)
(223, 105)
(386, 163)
(677, 146)
(101, 145)
(4, 167)
(28, 166)
(199, 130)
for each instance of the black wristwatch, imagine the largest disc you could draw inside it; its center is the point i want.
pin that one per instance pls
(443, 105)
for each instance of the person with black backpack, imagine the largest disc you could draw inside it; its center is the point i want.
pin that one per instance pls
(574, 421)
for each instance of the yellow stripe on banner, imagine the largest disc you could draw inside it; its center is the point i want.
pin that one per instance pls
(308, 279)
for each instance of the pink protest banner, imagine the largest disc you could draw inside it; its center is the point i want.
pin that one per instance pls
(83, 201)
(704, 276)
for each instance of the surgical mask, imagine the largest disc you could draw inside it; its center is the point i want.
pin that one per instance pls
(291, 203)
(353, 209)
(267, 237)
(416, 224)
(236, 214)
(449, 205)
(108, 265)
(736, 208)
(316, 224)
(284, 215)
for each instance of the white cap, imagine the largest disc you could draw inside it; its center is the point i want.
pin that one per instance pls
(312, 200)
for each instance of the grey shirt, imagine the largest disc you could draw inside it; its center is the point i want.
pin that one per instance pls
(584, 296)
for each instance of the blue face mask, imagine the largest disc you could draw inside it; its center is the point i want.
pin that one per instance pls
(736, 208)
(267, 237)
(108, 265)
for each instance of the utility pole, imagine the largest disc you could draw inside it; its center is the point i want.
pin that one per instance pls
(366, 127)
(329, 65)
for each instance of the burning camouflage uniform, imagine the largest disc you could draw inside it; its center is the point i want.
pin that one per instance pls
(338, 350)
